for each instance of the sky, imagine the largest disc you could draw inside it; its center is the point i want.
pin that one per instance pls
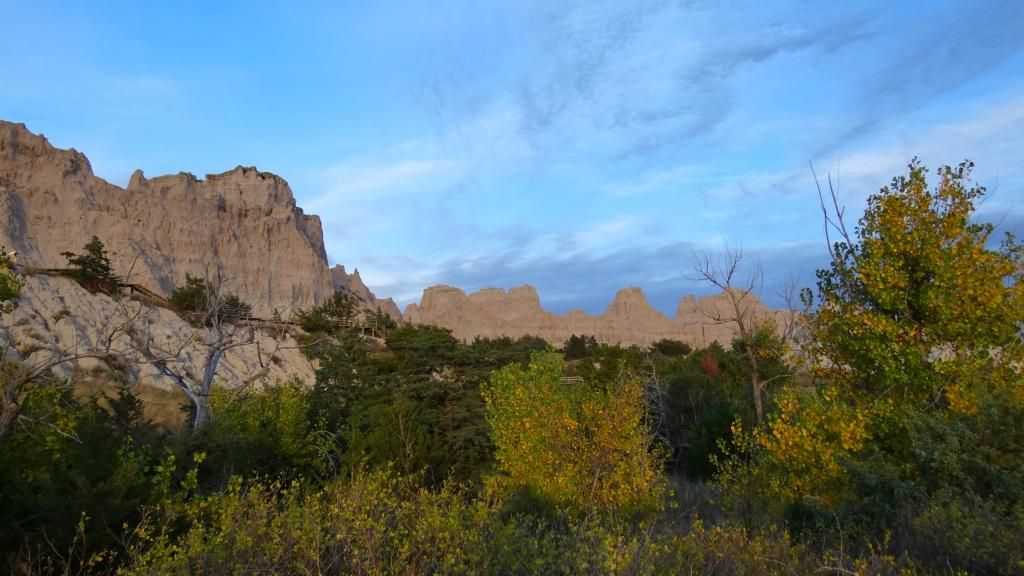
(578, 146)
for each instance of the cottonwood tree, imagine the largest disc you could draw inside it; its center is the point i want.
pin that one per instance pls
(761, 338)
(919, 303)
(580, 449)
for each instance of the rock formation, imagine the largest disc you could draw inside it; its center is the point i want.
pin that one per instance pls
(353, 284)
(242, 225)
(628, 320)
(55, 315)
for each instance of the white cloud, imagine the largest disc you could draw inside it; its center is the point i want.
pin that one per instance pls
(609, 233)
(375, 179)
(483, 145)
(653, 182)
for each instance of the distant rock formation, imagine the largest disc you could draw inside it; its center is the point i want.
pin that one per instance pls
(628, 320)
(353, 284)
(243, 222)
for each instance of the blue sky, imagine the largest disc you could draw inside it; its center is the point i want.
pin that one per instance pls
(580, 146)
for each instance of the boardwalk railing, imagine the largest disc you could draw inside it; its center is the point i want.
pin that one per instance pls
(142, 293)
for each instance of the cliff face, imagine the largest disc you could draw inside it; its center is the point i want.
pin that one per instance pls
(353, 284)
(242, 225)
(628, 320)
(55, 316)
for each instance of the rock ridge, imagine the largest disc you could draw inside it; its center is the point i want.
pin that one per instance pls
(628, 320)
(242, 225)
(353, 284)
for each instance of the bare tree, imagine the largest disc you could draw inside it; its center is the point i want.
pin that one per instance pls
(126, 334)
(18, 376)
(222, 324)
(725, 271)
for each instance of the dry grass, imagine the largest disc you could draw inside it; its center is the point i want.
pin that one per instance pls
(162, 406)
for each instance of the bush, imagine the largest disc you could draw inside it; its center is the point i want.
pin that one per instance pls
(331, 317)
(382, 524)
(577, 347)
(266, 434)
(572, 448)
(10, 281)
(200, 298)
(671, 348)
(92, 269)
(73, 468)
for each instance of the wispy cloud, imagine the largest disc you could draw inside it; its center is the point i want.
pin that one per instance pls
(376, 179)
(639, 77)
(957, 47)
(654, 181)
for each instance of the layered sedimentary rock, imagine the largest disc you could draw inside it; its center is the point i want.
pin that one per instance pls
(628, 320)
(353, 284)
(56, 316)
(241, 227)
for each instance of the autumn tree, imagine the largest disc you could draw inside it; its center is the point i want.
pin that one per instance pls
(915, 427)
(579, 448)
(918, 303)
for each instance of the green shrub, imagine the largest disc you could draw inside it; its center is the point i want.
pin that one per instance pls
(72, 468)
(331, 317)
(577, 347)
(11, 282)
(265, 434)
(199, 297)
(92, 269)
(671, 348)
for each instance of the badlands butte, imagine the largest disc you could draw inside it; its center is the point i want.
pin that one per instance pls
(244, 226)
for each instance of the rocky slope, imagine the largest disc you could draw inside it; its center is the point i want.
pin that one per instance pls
(353, 284)
(628, 320)
(57, 316)
(242, 225)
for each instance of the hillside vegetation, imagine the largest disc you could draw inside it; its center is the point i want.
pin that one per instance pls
(891, 439)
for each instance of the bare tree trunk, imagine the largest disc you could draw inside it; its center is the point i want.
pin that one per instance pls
(8, 415)
(202, 399)
(755, 382)
(723, 273)
(202, 412)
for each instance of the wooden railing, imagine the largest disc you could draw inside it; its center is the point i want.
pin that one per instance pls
(142, 293)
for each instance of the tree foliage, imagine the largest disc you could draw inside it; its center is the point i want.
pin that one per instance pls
(331, 317)
(200, 297)
(668, 347)
(92, 269)
(11, 282)
(575, 448)
(920, 306)
(577, 347)
(914, 427)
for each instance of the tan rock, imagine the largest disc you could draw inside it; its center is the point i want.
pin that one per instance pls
(353, 284)
(55, 316)
(628, 320)
(157, 230)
